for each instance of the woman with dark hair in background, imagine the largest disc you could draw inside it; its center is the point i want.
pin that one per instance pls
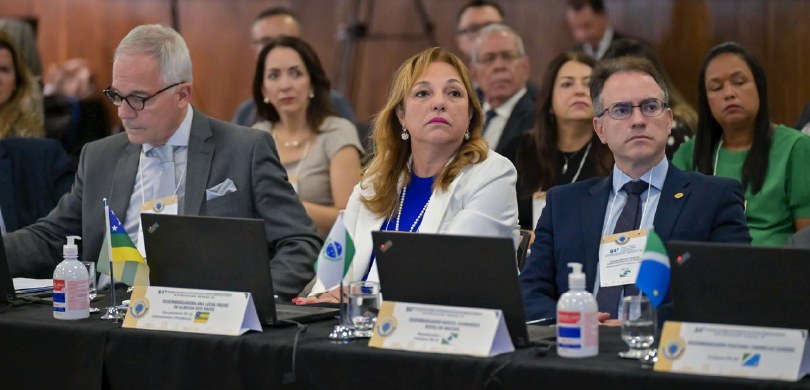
(735, 138)
(320, 151)
(561, 148)
(684, 117)
(19, 112)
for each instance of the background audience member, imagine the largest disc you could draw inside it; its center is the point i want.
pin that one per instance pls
(269, 24)
(34, 174)
(23, 36)
(501, 68)
(432, 171)
(19, 116)
(642, 192)
(321, 152)
(74, 111)
(590, 25)
(561, 148)
(684, 117)
(735, 138)
(472, 17)
(803, 123)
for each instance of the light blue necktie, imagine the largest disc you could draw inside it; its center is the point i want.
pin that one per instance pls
(160, 173)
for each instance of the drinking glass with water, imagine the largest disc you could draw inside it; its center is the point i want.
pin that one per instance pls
(364, 303)
(638, 326)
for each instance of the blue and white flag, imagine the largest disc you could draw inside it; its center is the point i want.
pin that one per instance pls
(653, 273)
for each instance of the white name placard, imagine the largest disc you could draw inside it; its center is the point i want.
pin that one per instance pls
(441, 329)
(195, 311)
(731, 350)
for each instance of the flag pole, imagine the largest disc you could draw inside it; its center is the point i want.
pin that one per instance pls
(112, 310)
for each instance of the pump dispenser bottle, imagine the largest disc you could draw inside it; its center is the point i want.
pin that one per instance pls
(70, 285)
(577, 318)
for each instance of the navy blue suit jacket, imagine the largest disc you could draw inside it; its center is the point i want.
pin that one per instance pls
(570, 228)
(34, 174)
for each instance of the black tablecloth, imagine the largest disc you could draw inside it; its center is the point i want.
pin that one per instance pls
(38, 351)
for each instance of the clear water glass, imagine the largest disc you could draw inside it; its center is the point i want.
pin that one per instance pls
(364, 304)
(638, 326)
(91, 278)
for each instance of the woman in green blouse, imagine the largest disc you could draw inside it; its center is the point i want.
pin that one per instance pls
(735, 138)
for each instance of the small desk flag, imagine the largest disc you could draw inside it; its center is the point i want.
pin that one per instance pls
(654, 271)
(129, 266)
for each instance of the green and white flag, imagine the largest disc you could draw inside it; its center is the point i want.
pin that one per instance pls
(336, 255)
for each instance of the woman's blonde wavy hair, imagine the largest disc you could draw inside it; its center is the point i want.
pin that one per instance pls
(20, 116)
(389, 162)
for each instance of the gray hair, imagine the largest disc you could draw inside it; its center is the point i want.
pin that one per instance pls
(496, 28)
(606, 68)
(163, 44)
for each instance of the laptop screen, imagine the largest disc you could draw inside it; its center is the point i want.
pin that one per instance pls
(740, 284)
(450, 270)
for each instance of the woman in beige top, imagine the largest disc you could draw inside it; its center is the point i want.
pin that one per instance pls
(320, 151)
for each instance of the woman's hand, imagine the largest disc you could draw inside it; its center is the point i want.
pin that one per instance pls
(331, 296)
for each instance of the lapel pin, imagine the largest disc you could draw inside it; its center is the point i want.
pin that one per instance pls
(679, 195)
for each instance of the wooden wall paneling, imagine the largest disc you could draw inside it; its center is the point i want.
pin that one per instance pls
(787, 60)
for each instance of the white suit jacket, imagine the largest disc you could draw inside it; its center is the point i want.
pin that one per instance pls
(481, 201)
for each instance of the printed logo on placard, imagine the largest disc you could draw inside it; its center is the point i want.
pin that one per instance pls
(673, 349)
(386, 326)
(751, 359)
(139, 308)
(449, 339)
(201, 317)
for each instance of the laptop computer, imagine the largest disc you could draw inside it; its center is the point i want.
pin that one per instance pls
(214, 253)
(451, 270)
(740, 284)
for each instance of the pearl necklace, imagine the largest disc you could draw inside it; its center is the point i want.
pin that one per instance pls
(294, 144)
(402, 203)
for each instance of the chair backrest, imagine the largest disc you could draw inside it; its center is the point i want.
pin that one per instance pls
(523, 248)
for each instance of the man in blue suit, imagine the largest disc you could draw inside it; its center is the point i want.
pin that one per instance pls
(643, 192)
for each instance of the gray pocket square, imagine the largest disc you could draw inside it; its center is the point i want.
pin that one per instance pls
(224, 188)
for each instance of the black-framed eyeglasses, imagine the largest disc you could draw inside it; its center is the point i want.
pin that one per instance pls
(622, 110)
(506, 55)
(136, 102)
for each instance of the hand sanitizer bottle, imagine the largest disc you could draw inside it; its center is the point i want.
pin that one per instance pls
(577, 318)
(70, 285)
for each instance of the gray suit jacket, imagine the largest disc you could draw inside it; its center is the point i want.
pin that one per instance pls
(217, 151)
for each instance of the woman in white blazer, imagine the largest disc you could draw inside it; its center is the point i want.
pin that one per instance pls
(431, 171)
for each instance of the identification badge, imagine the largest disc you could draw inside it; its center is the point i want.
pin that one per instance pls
(538, 203)
(165, 205)
(620, 256)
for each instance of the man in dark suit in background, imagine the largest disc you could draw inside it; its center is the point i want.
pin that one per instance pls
(644, 191)
(269, 24)
(590, 26)
(501, 68)
(34, 174)
(173, 154)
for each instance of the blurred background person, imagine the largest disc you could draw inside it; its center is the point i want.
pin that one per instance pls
(501, 68)
(432, 171)
(272, 23)
(34, 174)
(590, 26)
(320, 151)
(684, 117)
(19, 113)
(562, 147)
(735, 138)
(472, 17)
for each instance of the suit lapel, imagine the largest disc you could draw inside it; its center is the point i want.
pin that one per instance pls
(673, 196)
(7, 203)
(366, 222)
(198, 166)
(513, 123)
(123, 180)
(592, 209)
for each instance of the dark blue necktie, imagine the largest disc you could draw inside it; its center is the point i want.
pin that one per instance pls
(490, 114)
(629, 219)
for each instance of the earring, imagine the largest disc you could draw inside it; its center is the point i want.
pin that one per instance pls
(266, 100)
(311, 94)
(404, 135)
(467, 135)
